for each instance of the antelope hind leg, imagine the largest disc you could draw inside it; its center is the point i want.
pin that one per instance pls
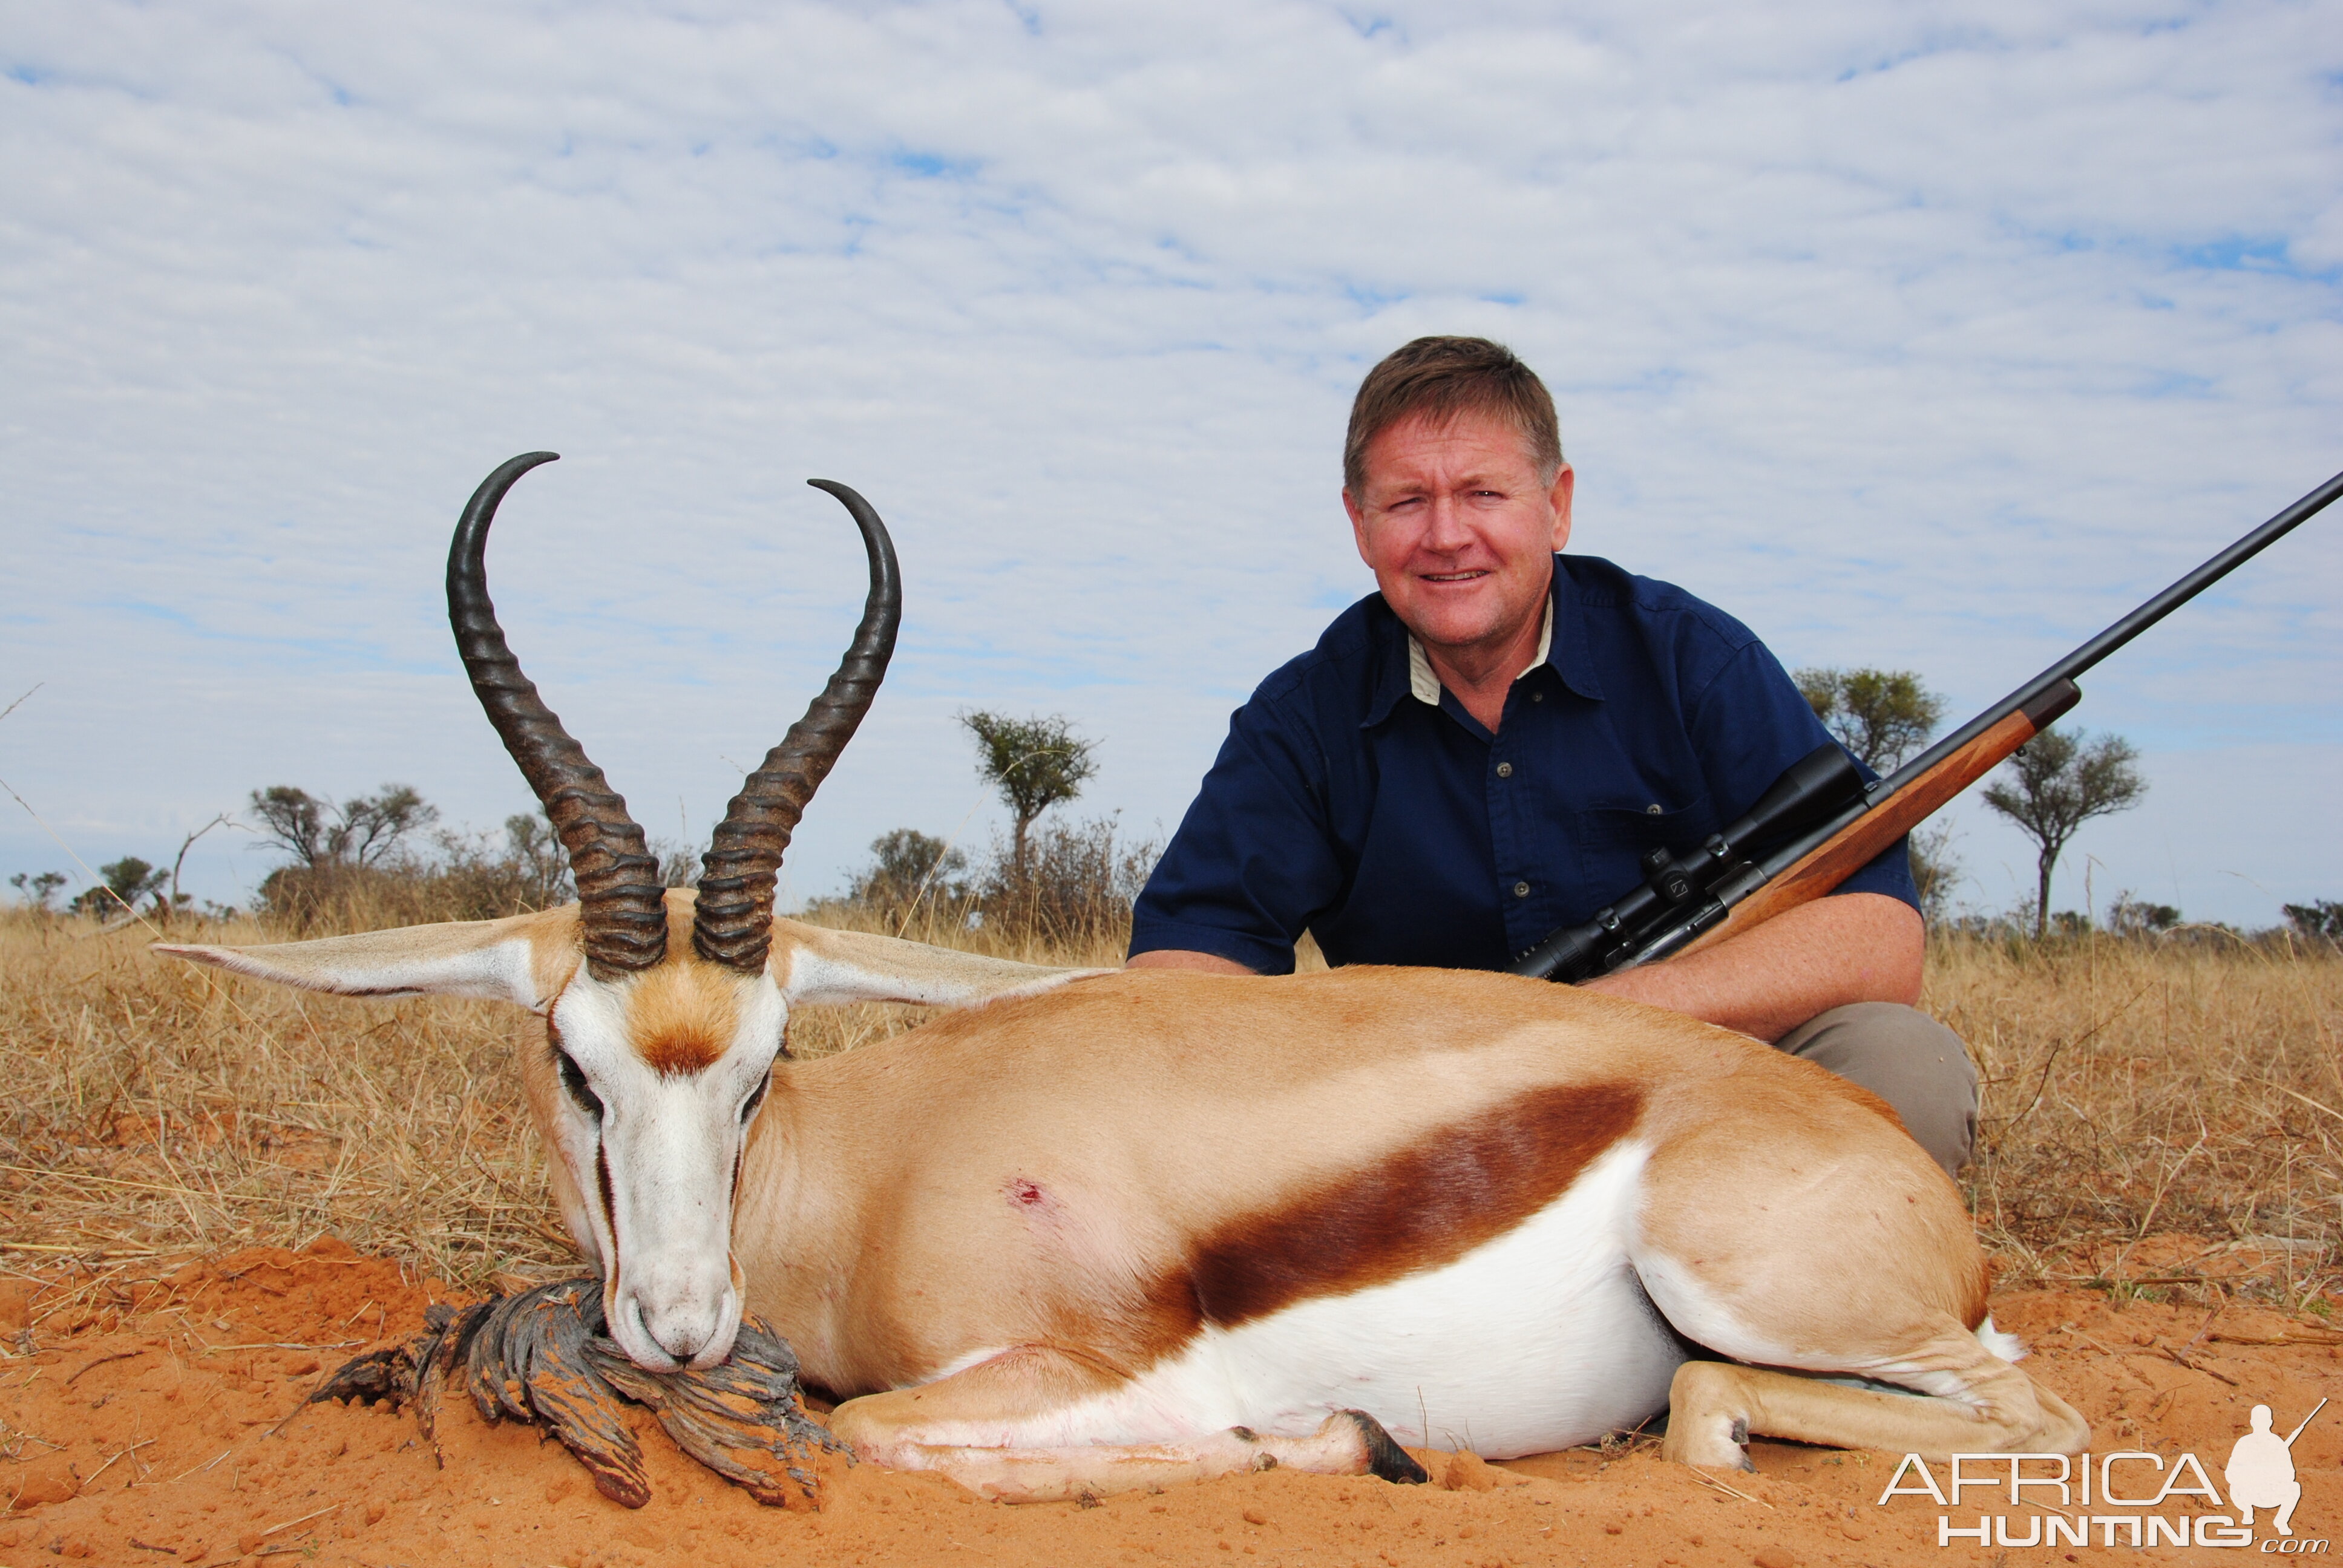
(1715, 1407)
(1831, 1246)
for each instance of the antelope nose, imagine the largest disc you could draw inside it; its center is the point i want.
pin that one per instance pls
(683, 1331)
(696, 1330)
(680, 1338)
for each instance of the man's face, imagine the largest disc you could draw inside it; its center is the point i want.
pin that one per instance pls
(1460, 529)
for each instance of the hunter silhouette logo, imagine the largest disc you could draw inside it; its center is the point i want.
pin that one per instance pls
(2131, 1498)
(2261, 1471)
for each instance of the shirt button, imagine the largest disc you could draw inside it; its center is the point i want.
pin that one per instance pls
(1653, 810)
(1537, 697)
(1504, 770)
(1521, 890)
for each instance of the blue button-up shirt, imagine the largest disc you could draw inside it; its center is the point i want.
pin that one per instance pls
(1399, 832)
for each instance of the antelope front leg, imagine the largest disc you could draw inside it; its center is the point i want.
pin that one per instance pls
(1028, 1426)
(1348, 1443)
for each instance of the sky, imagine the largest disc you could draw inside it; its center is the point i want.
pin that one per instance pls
(1928, 336)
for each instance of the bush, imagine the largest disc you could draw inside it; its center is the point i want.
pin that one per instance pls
(2133, 917)
(462, 877)
(2321, 919)
(127, 880)
(908, 869)
(1079, 882)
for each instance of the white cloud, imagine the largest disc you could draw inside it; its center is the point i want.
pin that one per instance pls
(1932, 337)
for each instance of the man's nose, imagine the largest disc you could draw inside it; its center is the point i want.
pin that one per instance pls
(1445, 527)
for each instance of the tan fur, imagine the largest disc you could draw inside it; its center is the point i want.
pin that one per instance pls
(2004, 1412)
(1063, 1185)
(1174, 1104)
(556, 948)
(680, 1016)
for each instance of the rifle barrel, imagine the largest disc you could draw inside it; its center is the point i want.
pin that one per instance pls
(2038, 702)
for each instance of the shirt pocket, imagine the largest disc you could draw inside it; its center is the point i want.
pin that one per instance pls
(1649, 825)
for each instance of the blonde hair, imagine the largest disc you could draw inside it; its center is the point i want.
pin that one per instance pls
(1441, 379)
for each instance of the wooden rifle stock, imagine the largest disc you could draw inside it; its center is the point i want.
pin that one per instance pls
(1748, 893)
(1852, 847)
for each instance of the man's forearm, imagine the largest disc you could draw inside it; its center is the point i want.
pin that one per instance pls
(1855, 947)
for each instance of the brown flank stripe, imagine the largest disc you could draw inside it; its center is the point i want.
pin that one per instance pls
(1425, 1206)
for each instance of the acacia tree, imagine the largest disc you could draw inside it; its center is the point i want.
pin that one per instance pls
(534, 851)
(358, 832)
(1035, 763)
(905, 866)
(127, 880)
(2319, 918)
(39, 889)
(2056, 783)
(1883, 717)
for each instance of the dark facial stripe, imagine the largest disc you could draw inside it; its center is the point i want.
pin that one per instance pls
(609, 1210)
(1425, 1206)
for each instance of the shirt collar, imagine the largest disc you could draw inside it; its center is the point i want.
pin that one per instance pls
(1561, 643)
(1572, 657)
(1424, 686)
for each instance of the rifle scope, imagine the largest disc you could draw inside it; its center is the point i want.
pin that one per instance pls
(1682, 897)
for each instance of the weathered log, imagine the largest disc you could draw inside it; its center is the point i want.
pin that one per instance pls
(542, 1357)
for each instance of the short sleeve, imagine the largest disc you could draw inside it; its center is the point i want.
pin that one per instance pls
(1254, 859)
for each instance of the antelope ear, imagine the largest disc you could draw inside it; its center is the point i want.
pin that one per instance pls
(816, 965)
(526, 959)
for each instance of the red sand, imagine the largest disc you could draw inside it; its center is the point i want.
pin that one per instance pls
(149, 1423)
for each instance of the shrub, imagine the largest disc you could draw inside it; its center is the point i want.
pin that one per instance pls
(1078, 881)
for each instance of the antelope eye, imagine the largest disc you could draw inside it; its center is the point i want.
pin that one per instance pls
(574, 1080)
(756, 1098)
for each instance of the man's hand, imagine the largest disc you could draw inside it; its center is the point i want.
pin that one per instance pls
(1181, 959)
(1854, 947)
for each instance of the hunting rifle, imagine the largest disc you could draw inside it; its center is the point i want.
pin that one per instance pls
(1824, 823)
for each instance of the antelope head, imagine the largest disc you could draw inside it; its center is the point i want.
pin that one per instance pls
(664, 1013)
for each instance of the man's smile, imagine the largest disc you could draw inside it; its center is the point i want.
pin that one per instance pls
(1452, 577)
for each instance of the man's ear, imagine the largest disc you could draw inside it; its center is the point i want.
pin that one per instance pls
(526, 959)
(1565, 486)
(1358, 525)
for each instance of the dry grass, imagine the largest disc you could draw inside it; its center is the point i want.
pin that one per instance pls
(149, 1107)
(2157, 1115)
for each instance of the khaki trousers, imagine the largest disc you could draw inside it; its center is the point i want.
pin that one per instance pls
(1908, 1060)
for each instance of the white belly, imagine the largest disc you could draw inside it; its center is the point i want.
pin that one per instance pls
(1538, 1340)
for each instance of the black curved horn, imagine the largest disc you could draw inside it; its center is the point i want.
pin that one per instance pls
(734, 925)
(618, 882)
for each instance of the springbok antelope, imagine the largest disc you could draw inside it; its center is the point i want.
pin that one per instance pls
(1103, 1229)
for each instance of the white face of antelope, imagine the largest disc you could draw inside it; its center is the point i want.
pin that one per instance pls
(661, 1041)
(653, 1082)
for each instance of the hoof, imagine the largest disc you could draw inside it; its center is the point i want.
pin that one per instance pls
(1714, 1443)
(1386, 1460)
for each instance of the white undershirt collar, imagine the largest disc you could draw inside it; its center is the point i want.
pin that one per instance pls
(1424, 686)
